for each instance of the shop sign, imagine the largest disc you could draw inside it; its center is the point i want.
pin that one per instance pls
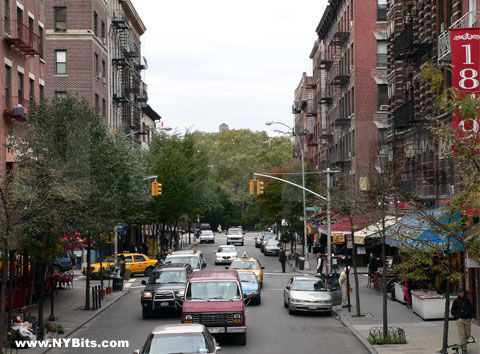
(349, 241)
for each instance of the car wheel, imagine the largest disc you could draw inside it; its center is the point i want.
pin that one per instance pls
(290, 311)
(148, 271)
(259, 300)
(146, 314)
(329, 313)
(242, 339)
(242, 243)
(284, 303)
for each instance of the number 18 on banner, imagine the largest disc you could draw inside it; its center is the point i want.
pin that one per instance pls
(465, 44)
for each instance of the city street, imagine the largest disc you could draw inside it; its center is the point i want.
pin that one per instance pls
(269, 327)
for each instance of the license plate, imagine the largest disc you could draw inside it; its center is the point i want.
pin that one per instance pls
(164, 303)
(215, 330)
(312, 307)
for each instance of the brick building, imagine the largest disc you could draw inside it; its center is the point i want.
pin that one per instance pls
(350, 61)
(76, 51)
(23, 71)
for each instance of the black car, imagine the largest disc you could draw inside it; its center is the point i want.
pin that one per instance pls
(165, 288)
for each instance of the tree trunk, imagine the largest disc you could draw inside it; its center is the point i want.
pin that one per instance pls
(25, 277)
(87, 282)
(189, 229)
(11, 290)
(447, 301)
(41, 299)
(3, 295)
(384, 287)
(355, 276)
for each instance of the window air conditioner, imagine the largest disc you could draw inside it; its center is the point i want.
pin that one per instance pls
(18, 111)
(351, 68)
(384, 107)
(351, 25)
(104, 80)
(451, 189)
(98, 75)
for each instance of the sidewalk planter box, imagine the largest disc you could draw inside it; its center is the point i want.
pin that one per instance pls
(429, 305)
(399, 293)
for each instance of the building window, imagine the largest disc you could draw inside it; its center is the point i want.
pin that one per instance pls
(31, 84)
(40, 34)
(60, 62)
(97, 102)
(95, 24)
(103, 30)
(104, 108)
(60, 19)
(381, 10)
(103, 69)
(21, 89)
(8, 85)
(30, 24)
(381, 54)
(42, 92)
(95, 62)
(6, 15)
(60, 95)
(382, 95)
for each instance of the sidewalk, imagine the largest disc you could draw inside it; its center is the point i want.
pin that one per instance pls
(422, 336)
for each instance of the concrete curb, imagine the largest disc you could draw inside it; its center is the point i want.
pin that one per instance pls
(356, 333)
(98, 312)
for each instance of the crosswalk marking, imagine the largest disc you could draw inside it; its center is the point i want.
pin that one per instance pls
(129, 283)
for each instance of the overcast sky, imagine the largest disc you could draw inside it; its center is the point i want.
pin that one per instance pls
(225, 61)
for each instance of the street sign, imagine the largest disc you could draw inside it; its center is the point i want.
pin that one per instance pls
(312, 208)
(349, 240)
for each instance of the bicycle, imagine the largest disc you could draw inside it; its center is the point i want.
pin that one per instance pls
(456, 348)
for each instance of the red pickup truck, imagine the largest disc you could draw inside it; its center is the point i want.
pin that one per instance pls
(215, 299)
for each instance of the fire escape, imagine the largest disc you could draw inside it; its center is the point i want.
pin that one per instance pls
(127, 64)
(22, 39)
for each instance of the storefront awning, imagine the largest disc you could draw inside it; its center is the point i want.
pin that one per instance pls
(374, 230)
(414, 230)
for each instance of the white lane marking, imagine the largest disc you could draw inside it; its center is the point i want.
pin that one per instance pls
(129, 284)
(283, 273)
(132, 280)
(136, 287)
(80, 277)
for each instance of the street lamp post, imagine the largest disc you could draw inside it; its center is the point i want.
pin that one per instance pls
(305, 247)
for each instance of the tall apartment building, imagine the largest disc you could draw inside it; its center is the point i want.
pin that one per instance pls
(350, 61)
(418, 31)
(76, 51)
(23, 70)
(126, 67)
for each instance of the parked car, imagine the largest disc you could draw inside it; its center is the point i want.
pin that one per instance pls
(258, 240)
(165, 288)
(271, 248)
(235, 235)
(249, 264)
(193, 257)
(136, 262)
(265, 238)
(62, 264)
(308, 293)
(214, 298)
(205, 226)
(179, 338)
(225, 254)
(207, 236)
(250, 286)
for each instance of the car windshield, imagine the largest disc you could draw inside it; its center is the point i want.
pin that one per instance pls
(207, 233)
(247, 277)
(176, 343)
(235, 232)
(308, 285)
(213, 290)
(272, 243)
(168, 276)
(110, 259)
(229, 249)
(244, 265)
(269, 237)
(193, 261)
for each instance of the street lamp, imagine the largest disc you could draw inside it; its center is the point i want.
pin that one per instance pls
(305, 247)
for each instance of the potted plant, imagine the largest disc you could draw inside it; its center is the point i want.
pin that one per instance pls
(108, 273)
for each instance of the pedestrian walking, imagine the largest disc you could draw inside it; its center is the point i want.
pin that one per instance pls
(343, 285)
(462, 311)
(282, 258)
(122, 265)
(319, 263)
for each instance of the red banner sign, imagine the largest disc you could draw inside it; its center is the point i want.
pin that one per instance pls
(465, 44)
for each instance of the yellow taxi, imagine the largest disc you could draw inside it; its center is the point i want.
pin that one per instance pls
(138, 263)
(249, 264)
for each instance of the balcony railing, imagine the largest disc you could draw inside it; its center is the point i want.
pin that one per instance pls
(340, 37)
(404, 115)
(15, 107)
(22, 38)
(470, 19)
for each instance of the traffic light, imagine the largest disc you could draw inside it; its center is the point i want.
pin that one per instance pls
(252, 187)
(156, 189)
(259, 188)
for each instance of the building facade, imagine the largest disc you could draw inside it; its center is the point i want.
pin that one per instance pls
(77, 51)
(350, 62)
(24, 68)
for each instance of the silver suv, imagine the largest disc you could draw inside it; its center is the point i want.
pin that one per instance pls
(235, 235)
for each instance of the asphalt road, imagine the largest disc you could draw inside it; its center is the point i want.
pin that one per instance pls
(270, 329)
